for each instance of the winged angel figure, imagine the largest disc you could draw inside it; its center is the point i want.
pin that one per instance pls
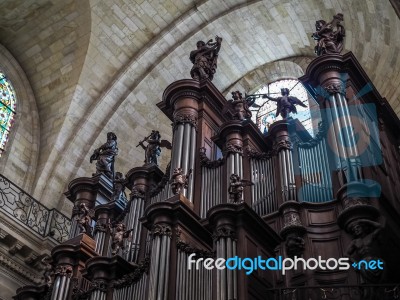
(285, 104)
(153, 147)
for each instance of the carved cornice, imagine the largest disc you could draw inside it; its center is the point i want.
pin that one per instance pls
(252, 153)
(206, 162)
(18, 269)
(161, 229)
(224, 232)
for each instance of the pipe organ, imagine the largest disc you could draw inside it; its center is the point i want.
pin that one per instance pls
(301, 197)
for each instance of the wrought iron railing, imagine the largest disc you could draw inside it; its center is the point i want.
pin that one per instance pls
(23, 208)
(335, 292)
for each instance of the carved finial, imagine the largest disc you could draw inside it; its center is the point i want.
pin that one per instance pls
(329, 36)
(204, 59)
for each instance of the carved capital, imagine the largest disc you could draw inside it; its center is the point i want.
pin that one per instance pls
(64, 270)
(335, 88)
(291, 219)
(138, 193)
(282, 144)
(99, 285)
(182, 118)
(161, 229)
(224, 232)
(232, 148)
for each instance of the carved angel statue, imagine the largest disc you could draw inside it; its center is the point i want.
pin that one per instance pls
(105, 156)
(48, 270)
(179, 181)
(153, 147)
(236, 188)
(239, 106)
(285, 104)
(119, 186)
(329, 36)
(118, 237)
(84, 219)
(204, 59)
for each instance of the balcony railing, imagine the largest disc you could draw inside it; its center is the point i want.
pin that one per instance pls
(335, 292)
(24, 209)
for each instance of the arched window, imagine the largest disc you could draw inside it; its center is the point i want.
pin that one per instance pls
(7, 110)
(264, 113)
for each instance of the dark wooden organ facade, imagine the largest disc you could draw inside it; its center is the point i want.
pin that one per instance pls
(306, 196)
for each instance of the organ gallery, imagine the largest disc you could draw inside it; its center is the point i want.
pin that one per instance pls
(232, 190)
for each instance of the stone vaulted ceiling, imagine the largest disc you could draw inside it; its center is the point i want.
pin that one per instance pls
(102, 65)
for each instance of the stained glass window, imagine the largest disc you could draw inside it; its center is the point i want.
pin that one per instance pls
(265, 110)
(7, 110)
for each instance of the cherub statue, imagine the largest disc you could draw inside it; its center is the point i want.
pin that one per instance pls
(285, 104)
(118, 237)
(179, 181)
(48, 270)
(365, 246)
(105, 156)
(236, 187)
(119, 186)
(329, 36)
(84, 219)
(204, 59)
(153, 147)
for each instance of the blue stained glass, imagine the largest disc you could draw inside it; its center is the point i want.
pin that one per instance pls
(7, 110)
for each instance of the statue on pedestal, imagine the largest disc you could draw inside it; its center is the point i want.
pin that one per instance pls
(285, 104)
(236, 188)
(119, 186)
(179, 181)
(84, 219)
(329, 36)
(153, 147)
(105, 156)
(204, 59)
(118, 237)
